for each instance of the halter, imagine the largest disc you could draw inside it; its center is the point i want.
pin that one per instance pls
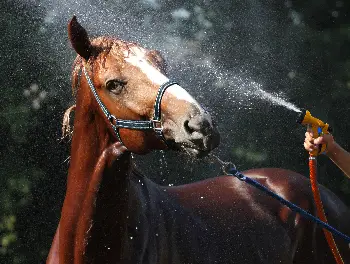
(153, 124)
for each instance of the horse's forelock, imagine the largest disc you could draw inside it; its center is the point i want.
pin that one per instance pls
(156, 58)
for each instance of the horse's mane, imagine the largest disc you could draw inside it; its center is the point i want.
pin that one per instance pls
(105, 45)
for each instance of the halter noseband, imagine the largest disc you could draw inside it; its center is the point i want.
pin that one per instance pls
(153, 124)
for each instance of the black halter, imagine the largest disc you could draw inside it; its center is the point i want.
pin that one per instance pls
(153, 124)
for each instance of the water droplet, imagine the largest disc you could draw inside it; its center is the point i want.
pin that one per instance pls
(34, 88)
(36, 104)
(291, 74)
(335, 14)
(42, 95)
(26, 93)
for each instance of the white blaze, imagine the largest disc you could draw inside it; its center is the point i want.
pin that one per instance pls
(137, 58)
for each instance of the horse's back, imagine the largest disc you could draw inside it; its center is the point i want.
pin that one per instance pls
(242, 221)
(259, 227)
(225, 193)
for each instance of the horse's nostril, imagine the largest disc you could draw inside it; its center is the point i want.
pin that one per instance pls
(187, 127)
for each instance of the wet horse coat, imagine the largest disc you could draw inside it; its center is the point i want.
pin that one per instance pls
(114, 214)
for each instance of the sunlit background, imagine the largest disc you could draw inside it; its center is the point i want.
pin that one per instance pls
(250, 63)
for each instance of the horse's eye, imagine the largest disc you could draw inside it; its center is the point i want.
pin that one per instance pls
(115, 86)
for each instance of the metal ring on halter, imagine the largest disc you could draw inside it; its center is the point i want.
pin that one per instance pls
(112, 118)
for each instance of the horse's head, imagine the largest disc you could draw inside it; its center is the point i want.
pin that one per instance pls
(127, 82)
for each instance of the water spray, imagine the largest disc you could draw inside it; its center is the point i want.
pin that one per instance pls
(318, 128)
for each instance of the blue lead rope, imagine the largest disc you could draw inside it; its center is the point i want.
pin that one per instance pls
(293, 207)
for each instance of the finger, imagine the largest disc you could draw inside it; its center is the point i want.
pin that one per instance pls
(309, 133)
(319, 140)
(309, 137)
(309, 146)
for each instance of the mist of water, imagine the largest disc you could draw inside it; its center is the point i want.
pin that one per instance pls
(218, 88)
(135, 22)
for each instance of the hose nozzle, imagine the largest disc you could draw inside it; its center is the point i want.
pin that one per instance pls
(318, 127)
(301, 116)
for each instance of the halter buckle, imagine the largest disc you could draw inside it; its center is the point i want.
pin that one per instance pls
(158, 129)
(157, 125)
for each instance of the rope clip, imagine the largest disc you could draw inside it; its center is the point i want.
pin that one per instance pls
(229, 169)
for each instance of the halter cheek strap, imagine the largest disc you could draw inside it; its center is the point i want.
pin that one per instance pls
(154, 124)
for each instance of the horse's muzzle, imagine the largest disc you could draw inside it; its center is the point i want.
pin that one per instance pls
(198, 135)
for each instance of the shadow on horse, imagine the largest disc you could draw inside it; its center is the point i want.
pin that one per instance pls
(113, 214)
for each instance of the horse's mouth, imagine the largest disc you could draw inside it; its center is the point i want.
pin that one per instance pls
(190, 149)
(197, 153)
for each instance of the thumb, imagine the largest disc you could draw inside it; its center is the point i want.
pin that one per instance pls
(319, 140)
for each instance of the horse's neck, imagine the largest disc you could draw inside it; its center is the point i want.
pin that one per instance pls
(90, 139)
(101, 230)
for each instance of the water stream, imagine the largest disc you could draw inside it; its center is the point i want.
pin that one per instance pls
(276, 100)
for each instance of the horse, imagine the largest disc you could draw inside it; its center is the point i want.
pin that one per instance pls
(112, 213)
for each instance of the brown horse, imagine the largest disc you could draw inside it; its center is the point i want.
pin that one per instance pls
(114, 214)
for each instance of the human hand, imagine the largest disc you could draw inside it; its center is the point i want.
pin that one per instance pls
(311, 143)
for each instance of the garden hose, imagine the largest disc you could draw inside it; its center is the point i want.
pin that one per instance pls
(319, 128)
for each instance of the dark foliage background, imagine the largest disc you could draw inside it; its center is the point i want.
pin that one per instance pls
(221, 51)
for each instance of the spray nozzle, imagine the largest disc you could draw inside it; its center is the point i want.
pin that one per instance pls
(318, 127)
(301, 116)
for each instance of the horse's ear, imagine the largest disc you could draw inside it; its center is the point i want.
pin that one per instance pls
(79, 38)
